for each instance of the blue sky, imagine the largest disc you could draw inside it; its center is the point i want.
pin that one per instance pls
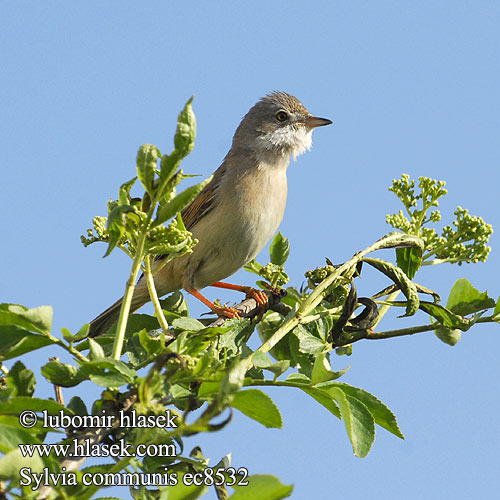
(413, 87)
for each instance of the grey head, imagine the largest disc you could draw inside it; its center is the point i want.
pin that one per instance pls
(277, 126)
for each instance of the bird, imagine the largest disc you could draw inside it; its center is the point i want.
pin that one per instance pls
(238, 211)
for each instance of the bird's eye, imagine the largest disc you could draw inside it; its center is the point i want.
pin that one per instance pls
(281, 116)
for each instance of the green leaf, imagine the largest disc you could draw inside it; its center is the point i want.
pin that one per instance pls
(401, 279)
(450, 336)
(168, 210)
(186, 131)
(181, 491)
(12, 462)
(96, 351)
(232, 383)
(21, 403)
(464, 299)
(253, 267)
(116, 226)
(21, 379)
(446, 317)
(109, 372)
(263, 487)
(496, 311)
(38, 319)
(261, 360)
(78, 406)
(409, 260)
(323, 399)
(382, 415)
(308, 343)
(298, 379)
(63, 374)
(189, 324)
(82, 333)
(279, 250)
(358, 421)
(259, 406)
(147, 158)
(15, 342)
(12, 437)
(124, 192)
(109, 379)
(396, 239)
(322, 372)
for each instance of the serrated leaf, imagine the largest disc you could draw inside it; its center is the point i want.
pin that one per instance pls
(21, 379)
(263, 487)
(279, 250)
(358, 421)
(258, 406)
(323, 399)
(169, 209)
(382, 415)
(147, 158)
(464, 299)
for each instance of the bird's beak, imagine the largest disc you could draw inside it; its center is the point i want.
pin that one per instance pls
(314, 121)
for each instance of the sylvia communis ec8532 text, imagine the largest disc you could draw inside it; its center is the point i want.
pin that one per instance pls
(239, 211)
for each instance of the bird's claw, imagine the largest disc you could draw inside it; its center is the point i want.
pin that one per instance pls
(258, 295)
(228, 312)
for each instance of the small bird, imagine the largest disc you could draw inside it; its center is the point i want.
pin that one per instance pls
(239, 211)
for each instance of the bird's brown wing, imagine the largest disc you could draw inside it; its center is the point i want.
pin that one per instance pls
(204, 202)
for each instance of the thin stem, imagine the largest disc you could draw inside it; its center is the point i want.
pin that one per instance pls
(127, 297)
(385, 307)
(77, 354)
(154, 296)
(389, 334)
(294, 317)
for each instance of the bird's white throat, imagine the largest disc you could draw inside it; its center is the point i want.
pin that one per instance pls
(287, 141)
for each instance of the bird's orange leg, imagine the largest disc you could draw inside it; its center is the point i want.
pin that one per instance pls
(259, 296)
(229, 312)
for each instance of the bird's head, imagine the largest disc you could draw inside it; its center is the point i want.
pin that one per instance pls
(278, 125)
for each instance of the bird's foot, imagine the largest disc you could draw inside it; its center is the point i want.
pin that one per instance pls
(228, 312)
(258, 295)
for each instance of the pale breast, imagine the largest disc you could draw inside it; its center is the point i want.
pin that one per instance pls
(239, 228)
